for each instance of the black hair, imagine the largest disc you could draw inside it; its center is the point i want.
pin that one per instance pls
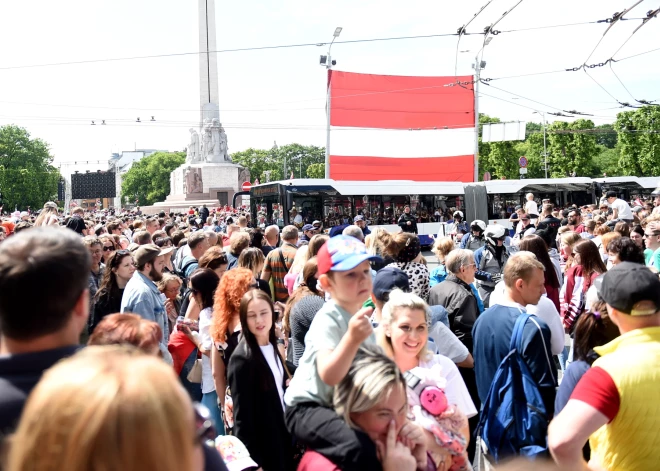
(51, 261)
(627, 250)
(204, 282)
(263, 372)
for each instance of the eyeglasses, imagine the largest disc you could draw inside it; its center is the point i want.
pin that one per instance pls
(108, 248)
(470, 265)
(651, 234)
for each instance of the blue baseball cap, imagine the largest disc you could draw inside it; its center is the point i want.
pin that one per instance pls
(308, 227)
(342, 253)
(388, 279)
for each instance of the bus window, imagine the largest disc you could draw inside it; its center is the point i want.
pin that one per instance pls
(502, 206)
(393, 208)
(370, 208)
(337, 210)
(309, 207)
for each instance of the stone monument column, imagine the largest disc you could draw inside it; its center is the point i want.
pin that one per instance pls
(208, 63)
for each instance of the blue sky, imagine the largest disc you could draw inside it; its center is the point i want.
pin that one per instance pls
(279, 95)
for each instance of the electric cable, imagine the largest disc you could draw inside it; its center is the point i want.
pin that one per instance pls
(461, 31)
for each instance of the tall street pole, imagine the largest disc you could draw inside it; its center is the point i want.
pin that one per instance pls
(545, 149)
(328, 66)
(477, 73)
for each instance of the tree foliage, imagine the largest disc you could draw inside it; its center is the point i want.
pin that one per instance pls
(27, 176)
(148, 179)
(639, 138)
(296, 157)
(316, 171)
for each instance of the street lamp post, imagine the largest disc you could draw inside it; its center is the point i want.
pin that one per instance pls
(545, 149)
(328, 63)
(478, 65)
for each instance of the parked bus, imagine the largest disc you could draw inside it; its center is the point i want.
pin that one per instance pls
(337, 202)
(381, 202)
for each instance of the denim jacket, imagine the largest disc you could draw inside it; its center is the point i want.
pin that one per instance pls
(141, 297)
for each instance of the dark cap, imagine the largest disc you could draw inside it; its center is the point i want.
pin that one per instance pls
(386, 280)
(628, 284)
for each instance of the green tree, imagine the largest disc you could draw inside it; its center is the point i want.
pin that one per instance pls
(316, 171)
(639, 138)
(27, 176)
(148, 180)
(606, 136)
(298, 159)
(571, 148)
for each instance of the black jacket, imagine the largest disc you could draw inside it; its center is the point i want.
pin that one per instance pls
(457, 298)
(106, 304)
(403, 223)
(258, 414)
(203, 214)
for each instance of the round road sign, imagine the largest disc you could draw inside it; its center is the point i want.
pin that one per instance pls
(246, 186)
(522, 161)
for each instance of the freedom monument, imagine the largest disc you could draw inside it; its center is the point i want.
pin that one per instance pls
(208, 176)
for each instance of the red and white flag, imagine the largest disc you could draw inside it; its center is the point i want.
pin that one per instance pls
(386, 127)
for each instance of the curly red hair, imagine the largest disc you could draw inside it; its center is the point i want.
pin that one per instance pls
(227, 302)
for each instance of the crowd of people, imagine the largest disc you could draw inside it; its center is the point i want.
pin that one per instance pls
(204, 341)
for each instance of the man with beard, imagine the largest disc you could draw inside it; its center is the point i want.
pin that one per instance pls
(141, 295)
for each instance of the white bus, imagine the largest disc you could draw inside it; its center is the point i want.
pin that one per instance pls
(337, 202)
(381, 202)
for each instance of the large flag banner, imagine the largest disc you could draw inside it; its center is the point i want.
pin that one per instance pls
(385, 127)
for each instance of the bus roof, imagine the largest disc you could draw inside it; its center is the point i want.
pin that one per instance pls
(537, 185)
(630, 182)
(381, 187)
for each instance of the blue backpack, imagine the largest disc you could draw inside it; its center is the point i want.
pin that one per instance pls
(514, 420)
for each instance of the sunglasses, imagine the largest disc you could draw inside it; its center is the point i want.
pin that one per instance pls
(108, 248)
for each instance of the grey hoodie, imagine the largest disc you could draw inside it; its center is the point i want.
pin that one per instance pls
(556, 262)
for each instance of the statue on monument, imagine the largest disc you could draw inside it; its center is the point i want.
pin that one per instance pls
(207, 141)
(218, 149)
(193, 154)
(192, 181)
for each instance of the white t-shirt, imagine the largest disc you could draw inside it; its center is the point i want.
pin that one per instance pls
(207, 343)
(622, 208)
(276, 368)
(545, 310)
(531, 208)
(455, 390)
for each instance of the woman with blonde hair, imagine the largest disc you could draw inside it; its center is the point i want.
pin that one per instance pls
(107, 407)
(315, 244)
(404, 333)
(566, 242)
(372, 400)
(301, 308)
(377, 243)
(253, 259)
(48, 215)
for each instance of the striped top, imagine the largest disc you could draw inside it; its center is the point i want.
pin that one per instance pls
(278, 271)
